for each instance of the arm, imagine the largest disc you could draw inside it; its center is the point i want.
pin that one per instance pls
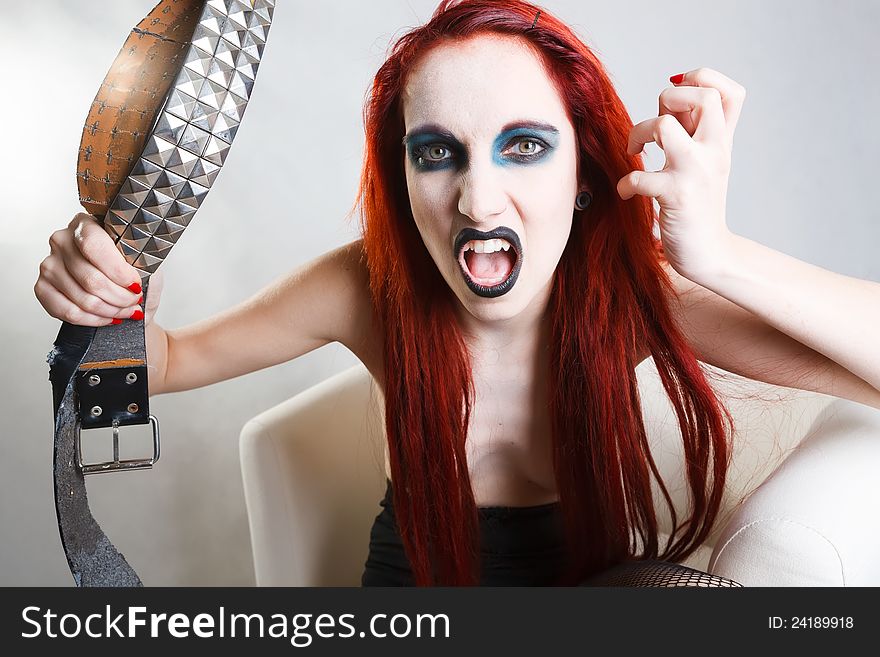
(750, 310)
(156, 339)
(324, 301)
(739, 340)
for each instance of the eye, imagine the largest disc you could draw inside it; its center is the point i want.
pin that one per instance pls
(526, 147)
(433, 153)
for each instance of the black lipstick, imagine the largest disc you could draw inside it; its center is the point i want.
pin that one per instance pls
(502, 232)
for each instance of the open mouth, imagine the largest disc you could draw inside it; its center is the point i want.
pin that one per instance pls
(490, 262)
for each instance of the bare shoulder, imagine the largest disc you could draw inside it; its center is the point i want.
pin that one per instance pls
(713, 326)
(354, 321)
(324, 300)
(719, 331)
(679, 300)
(334, 289)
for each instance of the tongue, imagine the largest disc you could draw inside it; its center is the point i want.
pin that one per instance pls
(494, 267)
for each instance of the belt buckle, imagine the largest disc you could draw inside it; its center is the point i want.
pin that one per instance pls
(116, 465)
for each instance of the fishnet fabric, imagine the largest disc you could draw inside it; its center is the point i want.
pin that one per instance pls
(657, 574)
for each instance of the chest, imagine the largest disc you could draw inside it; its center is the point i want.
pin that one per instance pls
(509, 450)
(509, 444)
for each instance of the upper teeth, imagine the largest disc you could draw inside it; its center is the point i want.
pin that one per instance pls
(487, 246)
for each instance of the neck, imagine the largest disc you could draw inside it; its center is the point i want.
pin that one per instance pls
(519, 337)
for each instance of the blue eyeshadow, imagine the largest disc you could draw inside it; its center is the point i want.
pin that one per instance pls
(547, 139)
(420, 140)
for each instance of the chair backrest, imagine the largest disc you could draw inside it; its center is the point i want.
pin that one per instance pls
(313, 474)
(313, 468)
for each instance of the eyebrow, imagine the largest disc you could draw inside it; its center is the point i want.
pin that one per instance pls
(530, 125)
(431, 129)
(438, 131)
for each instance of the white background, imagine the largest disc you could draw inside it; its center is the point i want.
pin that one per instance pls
(804, 174)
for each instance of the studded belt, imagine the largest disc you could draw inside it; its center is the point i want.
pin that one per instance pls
(156, 136)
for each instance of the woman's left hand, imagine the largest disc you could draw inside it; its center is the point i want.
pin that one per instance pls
(694, 128)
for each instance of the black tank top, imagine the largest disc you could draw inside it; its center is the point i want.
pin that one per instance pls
(520, 546)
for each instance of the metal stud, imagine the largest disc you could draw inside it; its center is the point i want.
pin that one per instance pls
(94, 380)
(133, 408)
(96, 411)
(195, 129)
(131, 377)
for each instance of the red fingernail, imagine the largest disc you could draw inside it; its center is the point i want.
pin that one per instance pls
(135, 287)
(140, 299)
(675, 79)
(116, 321)
(137, 314)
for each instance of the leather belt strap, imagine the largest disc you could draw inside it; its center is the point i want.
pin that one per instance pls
(92, 558)
(156, 136)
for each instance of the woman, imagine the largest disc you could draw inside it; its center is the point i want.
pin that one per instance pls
(506, 286)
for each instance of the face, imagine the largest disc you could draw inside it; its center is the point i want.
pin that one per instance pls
(491, 160)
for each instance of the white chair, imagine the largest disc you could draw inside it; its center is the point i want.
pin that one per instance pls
(800, 505)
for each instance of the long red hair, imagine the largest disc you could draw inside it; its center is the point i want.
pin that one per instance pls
(606, 305)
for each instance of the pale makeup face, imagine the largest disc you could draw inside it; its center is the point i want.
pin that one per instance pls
(489, 146)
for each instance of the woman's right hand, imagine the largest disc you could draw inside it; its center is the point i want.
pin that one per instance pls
(86, 281)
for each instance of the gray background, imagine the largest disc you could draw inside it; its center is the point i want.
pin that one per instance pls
(804, 164)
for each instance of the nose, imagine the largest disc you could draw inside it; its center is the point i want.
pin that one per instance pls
(482, 196)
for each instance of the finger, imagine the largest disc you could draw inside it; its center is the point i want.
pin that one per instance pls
(61, 280)
(665, 131)
(732, 93)
(59, 306)
(643, 183)
(703, 105)
(94, 281)
(685, 117)
(98, 248)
